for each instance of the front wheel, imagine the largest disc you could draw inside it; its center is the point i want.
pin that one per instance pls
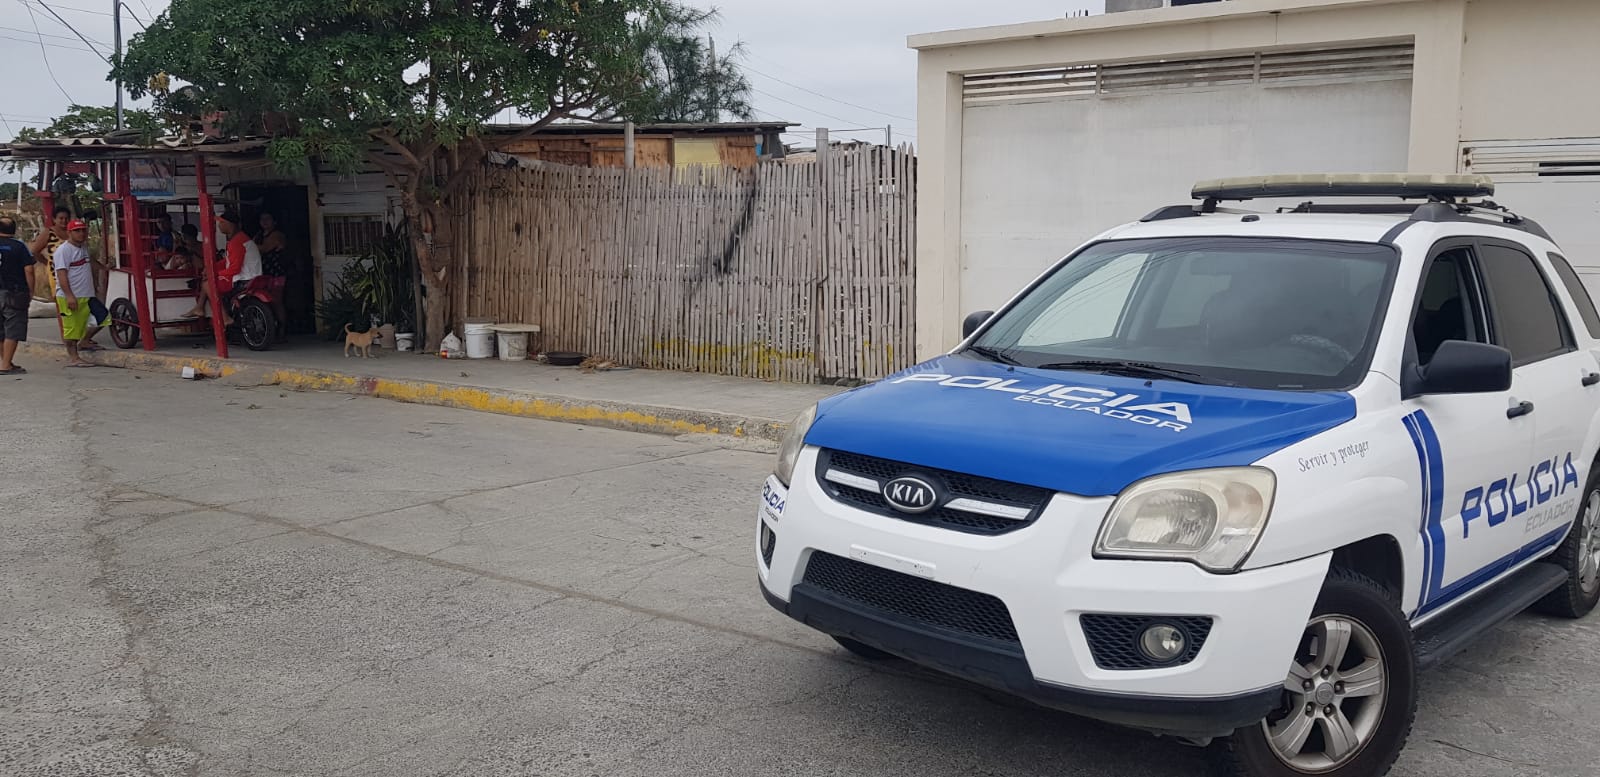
(1350, 695)
(256, 324)
(124, 323)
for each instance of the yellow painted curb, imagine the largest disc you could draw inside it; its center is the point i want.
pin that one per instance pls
(614, 415)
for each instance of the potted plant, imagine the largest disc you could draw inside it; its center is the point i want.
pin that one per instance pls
(375, 290)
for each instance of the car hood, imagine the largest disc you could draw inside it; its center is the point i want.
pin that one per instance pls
(1077, 432)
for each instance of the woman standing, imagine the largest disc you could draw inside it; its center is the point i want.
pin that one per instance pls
(275, 262)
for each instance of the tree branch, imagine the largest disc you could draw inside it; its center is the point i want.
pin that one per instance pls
(394, 143)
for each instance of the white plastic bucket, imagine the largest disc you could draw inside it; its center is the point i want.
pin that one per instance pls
(513, 340)
(480, 339)
(403, 341)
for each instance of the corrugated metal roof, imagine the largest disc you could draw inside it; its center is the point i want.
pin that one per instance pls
(617, 127)
(103, 148)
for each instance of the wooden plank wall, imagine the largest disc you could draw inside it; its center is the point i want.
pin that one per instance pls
(790, 272)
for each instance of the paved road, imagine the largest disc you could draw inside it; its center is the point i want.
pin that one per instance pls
(202, 579)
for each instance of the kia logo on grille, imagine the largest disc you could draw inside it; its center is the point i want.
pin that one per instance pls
(910, 495)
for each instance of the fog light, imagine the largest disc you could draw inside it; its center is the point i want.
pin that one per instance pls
(1163, 643)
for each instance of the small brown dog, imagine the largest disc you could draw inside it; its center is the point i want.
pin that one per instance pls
(361, 341)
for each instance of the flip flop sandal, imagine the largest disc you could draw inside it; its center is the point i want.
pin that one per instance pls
(14, 371)
(79, 365)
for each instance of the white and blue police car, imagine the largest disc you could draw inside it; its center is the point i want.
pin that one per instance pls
(1229, 476)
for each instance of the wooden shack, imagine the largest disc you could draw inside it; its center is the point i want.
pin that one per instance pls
(591, 144)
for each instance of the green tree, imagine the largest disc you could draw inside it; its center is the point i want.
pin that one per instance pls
(403, 85)
(688, 85)
(91, 121)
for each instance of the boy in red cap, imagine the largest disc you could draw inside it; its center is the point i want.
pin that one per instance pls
(81, 312)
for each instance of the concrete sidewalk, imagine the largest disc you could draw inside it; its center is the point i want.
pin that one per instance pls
(631, 399)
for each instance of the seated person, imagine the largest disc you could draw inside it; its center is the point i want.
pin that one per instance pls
(165, 239)
(186, 249)
(241, 264)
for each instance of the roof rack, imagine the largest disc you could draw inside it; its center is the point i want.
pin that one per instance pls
(1444, 195)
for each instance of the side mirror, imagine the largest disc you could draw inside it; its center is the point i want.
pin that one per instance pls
(1460, 367)
(973, 321)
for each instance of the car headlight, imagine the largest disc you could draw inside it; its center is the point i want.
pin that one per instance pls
(789, 451)
(1209, 517)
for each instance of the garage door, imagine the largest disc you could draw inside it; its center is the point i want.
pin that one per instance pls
(1053, 157)
(1554, 182)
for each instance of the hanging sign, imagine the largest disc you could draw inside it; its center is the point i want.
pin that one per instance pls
(152, 178)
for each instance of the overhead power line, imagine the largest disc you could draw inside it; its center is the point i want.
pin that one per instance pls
(76, 9)
(64, 23)
(832, 99)
(53, 45)
(804, 107)
(32, 32)
(44, 55)
(135, 17)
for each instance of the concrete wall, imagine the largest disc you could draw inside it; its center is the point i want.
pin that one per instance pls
(1040, 178)
(1435, 27)
(1528, 69)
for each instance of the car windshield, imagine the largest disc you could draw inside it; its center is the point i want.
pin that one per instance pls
(1264, 313)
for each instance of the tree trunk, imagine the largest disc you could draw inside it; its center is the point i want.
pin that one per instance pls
(433, 253)
(432, 223)
(436, 309)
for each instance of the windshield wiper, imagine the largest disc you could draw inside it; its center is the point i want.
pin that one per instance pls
(1135, 370)
(994, 354)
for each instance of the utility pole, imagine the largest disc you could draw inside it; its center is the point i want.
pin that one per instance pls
(888, 135)
(116, 36)
(627, 145)
(711, 75)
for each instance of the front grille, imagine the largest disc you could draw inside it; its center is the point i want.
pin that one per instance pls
(953, 485)
(1114, 639)
(912, 598)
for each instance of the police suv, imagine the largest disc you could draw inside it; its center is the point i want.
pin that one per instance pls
(1234, 477)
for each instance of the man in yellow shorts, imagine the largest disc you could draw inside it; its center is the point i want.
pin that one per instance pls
(75, 292)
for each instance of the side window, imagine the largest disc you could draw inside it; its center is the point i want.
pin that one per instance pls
(1580, 295)
(1528, 320)
(1091, 309)
(1448, 309)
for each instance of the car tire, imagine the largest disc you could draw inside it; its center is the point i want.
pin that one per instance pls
(1579, 554)
(863, 650)
(1370, 725)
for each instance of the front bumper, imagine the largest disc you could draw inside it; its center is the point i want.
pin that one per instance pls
(1047, 578)
(1008, 671)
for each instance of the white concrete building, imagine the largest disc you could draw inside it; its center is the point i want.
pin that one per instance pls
(1035, 137)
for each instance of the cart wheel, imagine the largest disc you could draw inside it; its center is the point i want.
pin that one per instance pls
(256, 324)
(124, 323)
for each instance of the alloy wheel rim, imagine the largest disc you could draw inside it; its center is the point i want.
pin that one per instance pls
(1589, 544)
(1334, 694)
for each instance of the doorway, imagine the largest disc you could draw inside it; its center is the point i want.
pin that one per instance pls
(290, 210)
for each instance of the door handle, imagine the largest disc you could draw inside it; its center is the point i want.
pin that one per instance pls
(1521, 409)
(1591, 379)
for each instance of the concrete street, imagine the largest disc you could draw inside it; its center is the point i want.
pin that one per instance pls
(203, 579)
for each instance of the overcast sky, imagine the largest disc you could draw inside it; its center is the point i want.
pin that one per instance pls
(852, 51)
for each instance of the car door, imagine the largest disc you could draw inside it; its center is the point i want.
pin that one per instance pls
(1530, 320)
(1467, 444)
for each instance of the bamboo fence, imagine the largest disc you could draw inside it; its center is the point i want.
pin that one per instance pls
(798, 272)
